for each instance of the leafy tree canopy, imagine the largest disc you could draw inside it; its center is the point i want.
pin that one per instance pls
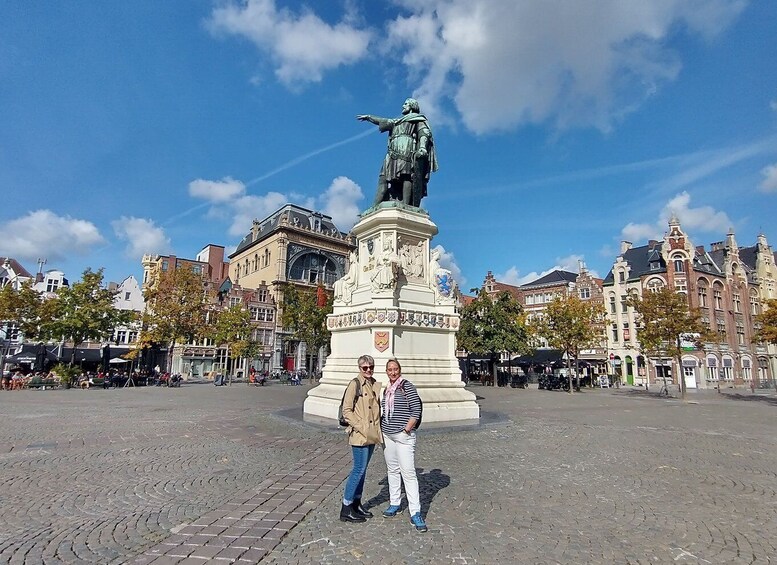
(22, 307)
(665, 318)
(176, 308)
(766, 322)
(83, 311)
(492, 324)
(304, 315)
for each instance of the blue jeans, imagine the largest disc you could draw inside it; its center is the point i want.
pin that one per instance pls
(355, 485)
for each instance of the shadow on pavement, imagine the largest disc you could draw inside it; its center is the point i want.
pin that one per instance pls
(752, 398)
(429, 484)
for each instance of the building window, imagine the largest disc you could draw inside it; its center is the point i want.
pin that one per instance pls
(615, 332)
(261, 295)
(314, 268)
(132, 336)
(585, 293)
(754, 309)
(721, 329)
(530, 299)
(52, 285)
(165, 264)
(679, 266)
(680, 286)
(234, 301)
(655, 285)
(728, 369)
(712, 369)
(737, 302)
(702, 296)
(612, 305)
(747, 373)
(121, 337)
(740, 333)
(624, 304)
(655, 265)
(621, 276)
(717, 297)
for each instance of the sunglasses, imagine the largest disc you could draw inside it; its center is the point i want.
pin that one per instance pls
(368, 368)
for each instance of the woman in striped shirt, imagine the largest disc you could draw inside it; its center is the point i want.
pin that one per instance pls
(401, 410)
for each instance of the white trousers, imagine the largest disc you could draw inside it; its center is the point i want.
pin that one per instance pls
(400, 465)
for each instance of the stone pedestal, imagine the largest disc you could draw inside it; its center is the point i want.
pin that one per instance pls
(397, 302)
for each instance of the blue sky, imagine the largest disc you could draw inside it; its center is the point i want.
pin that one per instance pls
(561, 127)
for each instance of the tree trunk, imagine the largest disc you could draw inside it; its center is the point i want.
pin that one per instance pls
(680, 377)
(569, 373)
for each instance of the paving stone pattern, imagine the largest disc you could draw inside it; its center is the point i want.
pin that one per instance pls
(217, 475)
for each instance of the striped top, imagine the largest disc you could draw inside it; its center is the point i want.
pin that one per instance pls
(407, 404)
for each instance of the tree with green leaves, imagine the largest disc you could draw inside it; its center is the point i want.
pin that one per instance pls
(304, 316)
(81, 312)
(493, 324)
(176, 308)
(665, 320)
(766, 322)
(232, 328)
(21, 307)
(571, 324)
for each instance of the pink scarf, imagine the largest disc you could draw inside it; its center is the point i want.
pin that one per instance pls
(389, 396)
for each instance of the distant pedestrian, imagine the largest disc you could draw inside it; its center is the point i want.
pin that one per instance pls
(361, 409)
(401, 410)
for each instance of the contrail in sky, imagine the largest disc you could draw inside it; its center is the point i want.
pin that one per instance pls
(307, 156)
(277, 170)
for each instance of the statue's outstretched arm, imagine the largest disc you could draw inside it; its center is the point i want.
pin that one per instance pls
(368, 118)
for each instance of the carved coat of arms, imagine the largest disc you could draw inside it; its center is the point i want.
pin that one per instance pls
(381, 341)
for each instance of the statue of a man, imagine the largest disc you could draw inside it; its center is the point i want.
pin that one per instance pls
(410, 158)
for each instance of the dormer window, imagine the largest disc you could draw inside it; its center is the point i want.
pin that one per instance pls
(655, 265)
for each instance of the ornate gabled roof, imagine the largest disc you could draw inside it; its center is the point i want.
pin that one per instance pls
(553, 278)
(289, 216)
(642, 260)
(17, 267)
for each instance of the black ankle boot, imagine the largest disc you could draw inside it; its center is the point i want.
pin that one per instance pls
(348, 514)
(359, 509)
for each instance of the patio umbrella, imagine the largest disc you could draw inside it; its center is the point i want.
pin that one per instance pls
(118, 360)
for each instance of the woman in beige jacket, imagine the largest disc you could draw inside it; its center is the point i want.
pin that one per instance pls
(361, 409)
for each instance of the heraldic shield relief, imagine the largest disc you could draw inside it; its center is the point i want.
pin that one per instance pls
(381, 341)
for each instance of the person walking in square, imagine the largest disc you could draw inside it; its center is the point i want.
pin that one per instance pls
(401, 409)
(361, 409)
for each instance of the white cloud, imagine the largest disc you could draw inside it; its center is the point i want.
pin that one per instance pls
(44, 234)
(448, 261)
(142, 236)
(248, 208)
(505, 64)
(701, 219)
(216, 191)
(570, 263)
(302, 46)
(340, 201)
(638, 232)
(769, 184)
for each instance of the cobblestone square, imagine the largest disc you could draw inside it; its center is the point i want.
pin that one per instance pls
(203, 474)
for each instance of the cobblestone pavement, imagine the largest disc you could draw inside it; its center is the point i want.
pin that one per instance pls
(218, 475)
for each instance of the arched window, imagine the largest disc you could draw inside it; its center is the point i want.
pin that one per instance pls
(314, 268)
(679, 265)
(717, 295)
(702, 291)
(654, 285)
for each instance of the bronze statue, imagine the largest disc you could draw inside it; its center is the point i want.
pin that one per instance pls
(410, 158)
